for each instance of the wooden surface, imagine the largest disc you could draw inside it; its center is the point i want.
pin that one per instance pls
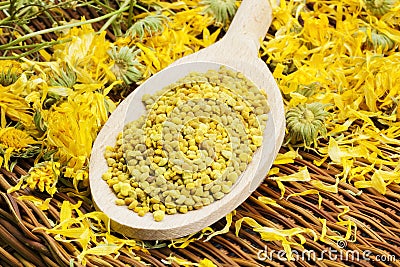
(237, 50)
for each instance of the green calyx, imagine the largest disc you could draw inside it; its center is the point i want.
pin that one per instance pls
(379, 7)
(126, 67)
(305, 123)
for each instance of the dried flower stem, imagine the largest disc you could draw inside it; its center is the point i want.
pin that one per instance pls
(111, 15)
(130, 14)
(123, 8)
(35, 48)
(34, 45)
(107, 7)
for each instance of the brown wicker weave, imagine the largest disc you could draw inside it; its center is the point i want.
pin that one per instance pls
(377, 217)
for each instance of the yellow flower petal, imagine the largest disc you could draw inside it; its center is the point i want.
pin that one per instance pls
(150, 55)
(206, 263)
(308, 192)
(100, 250)
(301, 176)
(42, 205)
(226, 227)
(287, 157)
(328, 188)
(268, 201)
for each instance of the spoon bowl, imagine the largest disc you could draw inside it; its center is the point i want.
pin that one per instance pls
(236, 51)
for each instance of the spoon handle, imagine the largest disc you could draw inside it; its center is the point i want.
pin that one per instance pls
(250, 25)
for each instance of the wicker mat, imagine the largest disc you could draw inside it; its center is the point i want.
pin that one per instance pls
(377, 218)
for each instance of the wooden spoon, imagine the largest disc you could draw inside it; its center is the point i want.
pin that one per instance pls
(237, 50)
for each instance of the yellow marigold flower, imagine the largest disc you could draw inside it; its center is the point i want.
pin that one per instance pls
(64, 78)
(86, 53)
(13, 137)
(14, 107)
(125, 67)
(148, 25)
(376, 40)
(379, 7)
(306, 122)
(179, 38)
(222, 10)
(43, 175)
(16, 143)
(72, 127)
(10, 71)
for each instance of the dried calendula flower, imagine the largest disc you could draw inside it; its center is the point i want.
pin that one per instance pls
(377, 40)
(305, 122)
(125, 67)
(43, 175)
(308, 90)
(150, 25)
(379, 7)
(222, 10)
(14, 107)
(71, 127)
(10, 71)
(56, 94)
(16, 143)
(65, 78)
